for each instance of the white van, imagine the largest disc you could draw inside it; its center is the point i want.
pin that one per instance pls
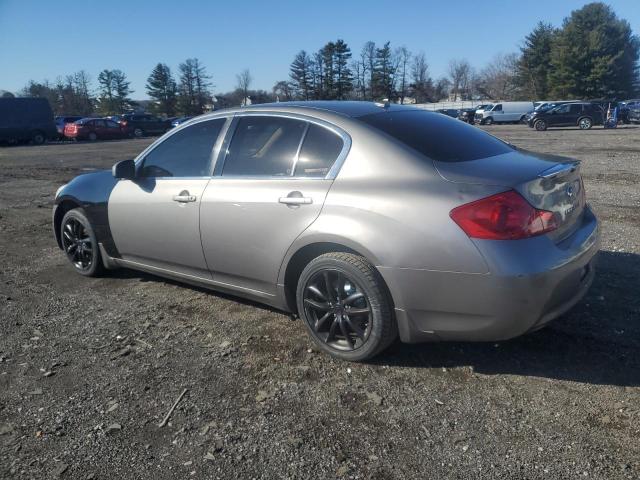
(505, 112)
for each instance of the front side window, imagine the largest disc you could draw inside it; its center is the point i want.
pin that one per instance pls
(186, 153)
(319, 151)
(563, 108)
(497, 108)
(111, 124)
(98, 123)
(263, 146)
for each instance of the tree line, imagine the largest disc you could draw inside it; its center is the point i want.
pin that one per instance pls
(594, 54)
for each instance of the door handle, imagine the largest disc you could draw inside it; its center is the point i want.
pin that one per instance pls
(184, 197)
(298, 199)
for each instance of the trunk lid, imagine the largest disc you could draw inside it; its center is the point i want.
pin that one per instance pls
(547, 182)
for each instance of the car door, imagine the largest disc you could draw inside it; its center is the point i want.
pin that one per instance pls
(560, 116)
(155, 219)
(498, 114)
(112, 130)
(268, 187)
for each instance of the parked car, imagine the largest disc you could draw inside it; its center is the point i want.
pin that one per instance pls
(95, 129)
(451, 112)
(61, 121)
(545, 106)
(140, 125)
(581, 114)
(179, 121)
(467, 115)
(505, 112)
(624, 110)
(634, 113)
(26, 119)
(366, 221)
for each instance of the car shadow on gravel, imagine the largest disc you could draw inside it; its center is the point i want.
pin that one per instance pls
(595, 343)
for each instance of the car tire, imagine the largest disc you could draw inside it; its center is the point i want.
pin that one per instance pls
(585, 123)
(331, 286)
(138, 132)
(80, 244)
(92, 136)
(488, 121)
(38, 137)
(540, 125)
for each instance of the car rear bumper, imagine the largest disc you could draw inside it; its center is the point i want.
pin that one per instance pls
(531, 282)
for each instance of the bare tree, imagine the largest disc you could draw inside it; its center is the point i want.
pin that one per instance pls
(498, 80)
(460, 76)
(420, 80)
(403, 57)
(244, 80)
(283, 90)
(367, 66)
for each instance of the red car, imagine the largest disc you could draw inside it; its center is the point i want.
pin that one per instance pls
(95, 129)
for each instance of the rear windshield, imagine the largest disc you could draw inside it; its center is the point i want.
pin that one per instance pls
(438, 137)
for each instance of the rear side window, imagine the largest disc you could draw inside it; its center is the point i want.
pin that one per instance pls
(319, 151)
(437, 137)
(263, 146)
(186, 153)
(575, 109)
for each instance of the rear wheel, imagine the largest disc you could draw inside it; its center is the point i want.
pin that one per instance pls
(344, 305)
(80, 244)
(38, 137)
(540, 125)
(585, 123)
(138, 132)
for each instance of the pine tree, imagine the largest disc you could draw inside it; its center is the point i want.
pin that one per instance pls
(535, 62)
(594, 55)
(301, 75)
(162, 89)
(343, 77)
(328, 87)
(383, 71)
(114, 92)
(193, 90)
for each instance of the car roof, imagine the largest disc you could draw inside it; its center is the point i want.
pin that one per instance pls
(349, 108)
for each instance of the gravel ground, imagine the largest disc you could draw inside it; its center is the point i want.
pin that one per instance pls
(90, 367)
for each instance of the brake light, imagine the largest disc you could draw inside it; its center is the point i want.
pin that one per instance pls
(504, 216)
(123, 123)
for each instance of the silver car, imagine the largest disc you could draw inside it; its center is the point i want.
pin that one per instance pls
(368, 221)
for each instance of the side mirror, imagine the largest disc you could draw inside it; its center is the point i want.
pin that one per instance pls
(126, 169)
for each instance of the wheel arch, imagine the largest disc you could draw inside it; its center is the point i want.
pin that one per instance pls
(303, 254)
(63, 206)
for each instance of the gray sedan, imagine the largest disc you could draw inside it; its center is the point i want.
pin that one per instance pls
(367, 221)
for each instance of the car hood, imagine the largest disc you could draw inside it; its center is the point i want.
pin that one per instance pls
(508, 170)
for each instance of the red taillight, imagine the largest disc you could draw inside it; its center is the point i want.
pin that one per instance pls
(123, 123)
(504, 216)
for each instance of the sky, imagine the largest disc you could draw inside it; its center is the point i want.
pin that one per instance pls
(46, 39)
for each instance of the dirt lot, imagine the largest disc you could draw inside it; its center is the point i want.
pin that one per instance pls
(89, 367)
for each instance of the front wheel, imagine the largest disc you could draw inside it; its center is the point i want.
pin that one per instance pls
(138, 132)
(540, 125)
(92, 136)
(80, 244)
(345, 307)
(488, 121)
(38, 137)
(585, 123)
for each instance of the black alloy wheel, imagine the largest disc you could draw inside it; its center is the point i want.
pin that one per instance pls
(337, 309)
(79, 243)
(345, 306)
